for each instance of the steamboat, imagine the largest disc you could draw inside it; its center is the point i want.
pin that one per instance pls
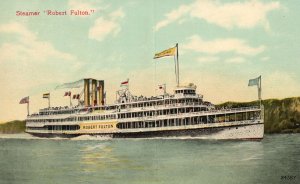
(183, 113)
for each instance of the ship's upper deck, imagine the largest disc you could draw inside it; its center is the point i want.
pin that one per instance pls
(184, 95)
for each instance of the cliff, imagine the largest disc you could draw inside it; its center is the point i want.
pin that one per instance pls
(281, 116)
(12, 127)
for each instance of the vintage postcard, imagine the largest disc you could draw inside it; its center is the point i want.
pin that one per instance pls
(149, 91)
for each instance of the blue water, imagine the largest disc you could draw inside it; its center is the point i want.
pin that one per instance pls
(272, 160)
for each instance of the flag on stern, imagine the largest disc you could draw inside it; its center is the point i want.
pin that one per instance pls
(46, 95)
(24, 100)
(253, 82)
(168, 52)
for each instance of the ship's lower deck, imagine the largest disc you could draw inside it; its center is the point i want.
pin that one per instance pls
(233, 132)
(230, 130)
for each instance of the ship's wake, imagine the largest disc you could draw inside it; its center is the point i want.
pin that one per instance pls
(91, 137)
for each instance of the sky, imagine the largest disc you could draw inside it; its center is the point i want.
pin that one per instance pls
(222, 44)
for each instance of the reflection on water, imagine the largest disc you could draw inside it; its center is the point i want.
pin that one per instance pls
(102, 156)
(97, 157)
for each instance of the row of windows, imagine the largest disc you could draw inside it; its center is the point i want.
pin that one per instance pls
(51, 120)
(100, 117)
(87, 118)
(192, 92)
(113, 107)
(189, 121)
(124, 115)
(160, 112)
(57, 112)
(56, 127)
(164, 123)
(161, 102)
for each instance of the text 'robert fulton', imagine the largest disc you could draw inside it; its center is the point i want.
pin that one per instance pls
(56, 13)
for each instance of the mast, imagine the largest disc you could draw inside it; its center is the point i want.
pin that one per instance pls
(70, 100)
(28, 107)
(49, 101)
(177, 62)
(259, 91)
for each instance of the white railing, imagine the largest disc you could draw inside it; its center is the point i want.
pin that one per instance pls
(186, 127)
(190, 114)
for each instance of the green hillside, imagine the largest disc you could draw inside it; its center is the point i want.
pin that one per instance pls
(281, 116)
(12, 127)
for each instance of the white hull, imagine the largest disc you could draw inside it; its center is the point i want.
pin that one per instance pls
(255, 131)
(246, 131)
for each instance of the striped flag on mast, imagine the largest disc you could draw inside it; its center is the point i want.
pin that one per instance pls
(46, 95)
(167, 52)
(125, 83)
(173, 51)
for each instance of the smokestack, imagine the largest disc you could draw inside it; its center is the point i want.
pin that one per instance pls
(94, 101)
(87, 92)
(100, 92)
